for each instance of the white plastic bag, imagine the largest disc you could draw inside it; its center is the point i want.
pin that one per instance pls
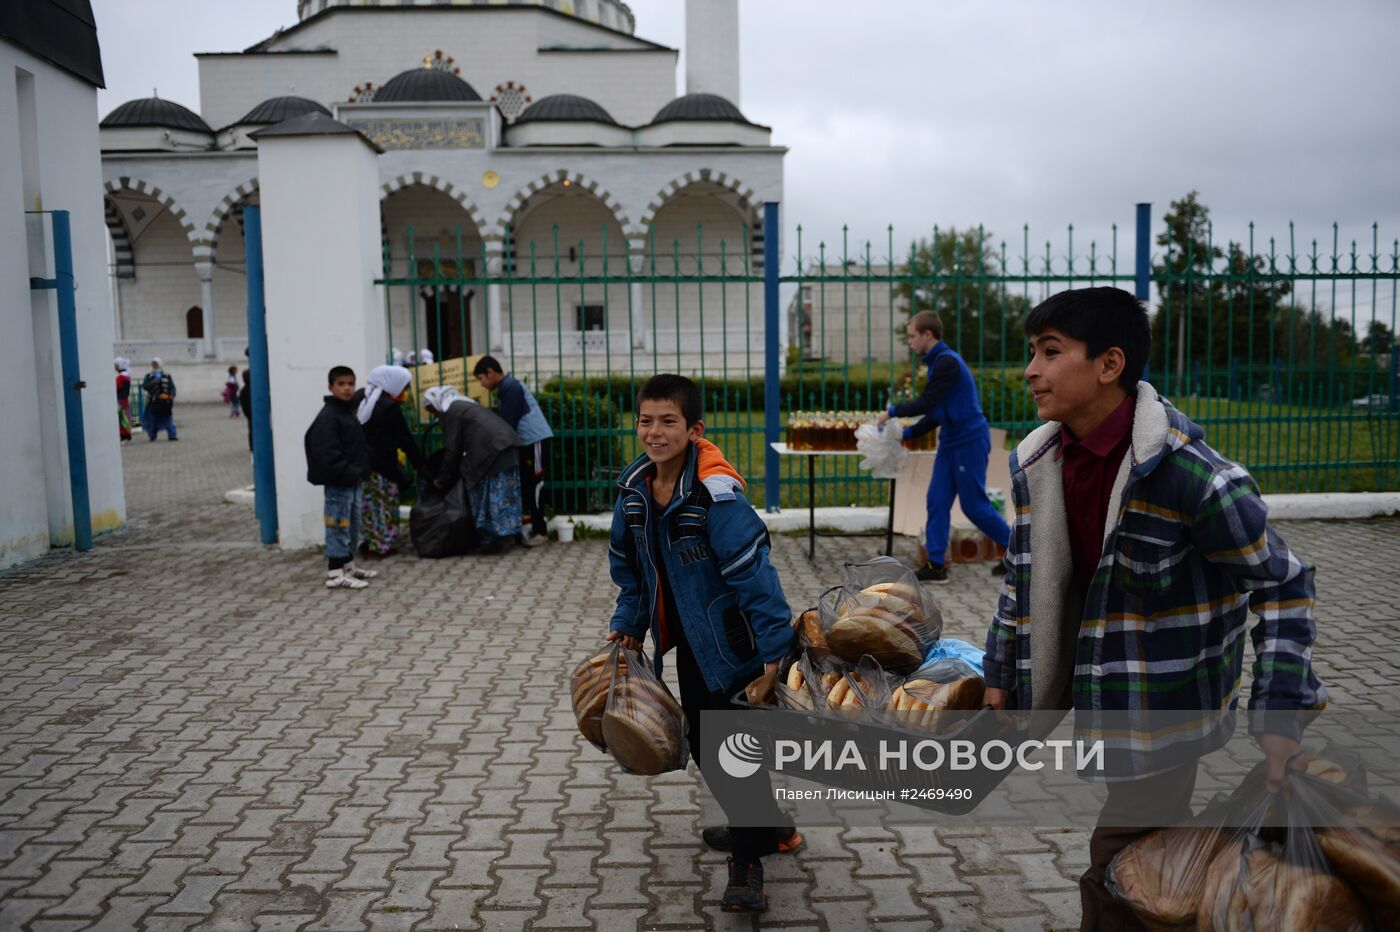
(883, 449)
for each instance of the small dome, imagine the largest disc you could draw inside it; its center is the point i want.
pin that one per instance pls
(562, 107)
(281, 108)
(699, 107)
(424, 84)
(152, 111)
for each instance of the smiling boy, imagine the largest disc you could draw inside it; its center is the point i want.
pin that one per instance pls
(1136, 556)
(690, 557)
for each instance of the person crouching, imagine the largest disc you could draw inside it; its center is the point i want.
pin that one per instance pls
(480, 449)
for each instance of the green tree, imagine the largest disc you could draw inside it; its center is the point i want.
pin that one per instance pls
(956, 273)
(1378, 340)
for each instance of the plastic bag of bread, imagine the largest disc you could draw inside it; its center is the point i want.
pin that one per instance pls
(643, 727)
(1359, 837)
(589, 685)
(883, 612)
(810, 634)
(1251, 885)
(937, 696)
(803, 687)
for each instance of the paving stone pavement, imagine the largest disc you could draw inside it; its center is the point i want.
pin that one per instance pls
(195, 733)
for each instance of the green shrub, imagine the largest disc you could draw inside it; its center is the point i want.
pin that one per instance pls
(586, 454)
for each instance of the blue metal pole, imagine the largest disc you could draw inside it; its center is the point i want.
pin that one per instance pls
(73, 383)
(772, 468)
(264, 476)
(1142, 264)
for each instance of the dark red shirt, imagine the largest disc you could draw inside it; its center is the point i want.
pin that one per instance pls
(1089, 468)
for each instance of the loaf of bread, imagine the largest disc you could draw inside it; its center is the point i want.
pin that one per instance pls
(1161, 874)
(1368, 864)
(642, 726)
(886, 637)
(923, 705)
(589, 686)
(809, 626)
(1260, 890)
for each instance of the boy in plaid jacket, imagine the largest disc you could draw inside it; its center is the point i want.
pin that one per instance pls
(1136, 556)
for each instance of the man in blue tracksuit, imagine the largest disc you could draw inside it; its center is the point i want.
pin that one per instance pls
(949, 401)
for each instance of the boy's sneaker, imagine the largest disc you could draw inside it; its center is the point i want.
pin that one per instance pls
(932, 572)
(339, 579)
(360, 573)
(745, 892)
(717, 839)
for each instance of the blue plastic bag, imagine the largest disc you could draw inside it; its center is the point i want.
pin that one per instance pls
(953, 649)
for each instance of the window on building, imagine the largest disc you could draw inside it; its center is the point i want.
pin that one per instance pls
(194, 324)
(591, 317)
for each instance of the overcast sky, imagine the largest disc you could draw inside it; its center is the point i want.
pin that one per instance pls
(916, 112)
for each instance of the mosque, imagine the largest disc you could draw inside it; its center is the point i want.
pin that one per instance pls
(498, 123)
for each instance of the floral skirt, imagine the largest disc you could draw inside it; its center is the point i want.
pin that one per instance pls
(496, 504)
(124, 420)
(379, 516)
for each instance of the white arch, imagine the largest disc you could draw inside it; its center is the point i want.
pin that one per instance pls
(698, 176)
(549, 180)
(140, 186)
(215, 224)
(438, 184)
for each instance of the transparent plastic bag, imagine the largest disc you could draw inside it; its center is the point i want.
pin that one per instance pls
(643, 726)
(937, 696)
(1254, 860)
(883, 449)
(589, 686)
(882, 611)
(810, 633)
(800, 688)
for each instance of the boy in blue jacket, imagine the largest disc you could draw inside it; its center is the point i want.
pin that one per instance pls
(949, 401)
(690, 556)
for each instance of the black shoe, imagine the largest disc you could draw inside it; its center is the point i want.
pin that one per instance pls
(745, 893)
(998, 569)
(717, 838)
(932, 572)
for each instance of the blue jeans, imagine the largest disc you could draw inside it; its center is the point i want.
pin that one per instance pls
(961, 472)
(343, 503)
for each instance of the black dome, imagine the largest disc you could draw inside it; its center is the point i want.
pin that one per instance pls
(282, 108)
(152, 111)
(564, 107)
(424, 84)
(699, 107)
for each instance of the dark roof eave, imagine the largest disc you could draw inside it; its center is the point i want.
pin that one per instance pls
(62, 34)
(269, 52)
(312, 124)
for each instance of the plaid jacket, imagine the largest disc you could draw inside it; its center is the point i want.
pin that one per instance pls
(1188, 554)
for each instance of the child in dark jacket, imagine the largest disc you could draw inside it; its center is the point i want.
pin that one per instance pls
(691, 558)
(337, 457)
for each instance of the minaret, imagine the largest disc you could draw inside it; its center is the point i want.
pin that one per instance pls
(712, 48)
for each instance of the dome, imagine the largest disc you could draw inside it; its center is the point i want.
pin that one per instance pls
(561, 107)
(424, 84)
(699, 107)
(278, 109)
(152, 111)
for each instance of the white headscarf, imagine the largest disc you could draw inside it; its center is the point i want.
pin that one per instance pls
(123, 365)
(425, 356)
(396, 358)
(441, 396)
(412, 359)
(155, 361)
(381, 379)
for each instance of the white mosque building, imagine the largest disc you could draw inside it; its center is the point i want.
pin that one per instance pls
(498, 122)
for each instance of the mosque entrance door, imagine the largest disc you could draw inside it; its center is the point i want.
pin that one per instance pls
(452, 308)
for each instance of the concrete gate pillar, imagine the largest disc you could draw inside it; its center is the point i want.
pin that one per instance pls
(321, 254)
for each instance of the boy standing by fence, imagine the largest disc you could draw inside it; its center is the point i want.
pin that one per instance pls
(949, 401)
(1137, 554)
(690, 556)
(337, 458)
(522, 412)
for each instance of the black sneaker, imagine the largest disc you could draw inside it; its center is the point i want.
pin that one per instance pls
(932, 572)
(745, 893)
(998, 569)
(717, 839)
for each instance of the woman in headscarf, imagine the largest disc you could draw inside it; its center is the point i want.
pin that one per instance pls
(481, 449)
(123, 367)
(386, 433)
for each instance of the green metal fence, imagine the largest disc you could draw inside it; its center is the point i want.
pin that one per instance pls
(1260, 347)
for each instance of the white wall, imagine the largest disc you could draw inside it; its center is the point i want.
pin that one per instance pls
(490, 47)
(320, 212)
(165, 287)
(56, 146)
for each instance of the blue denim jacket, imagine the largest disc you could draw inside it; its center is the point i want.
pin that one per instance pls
(714, 550)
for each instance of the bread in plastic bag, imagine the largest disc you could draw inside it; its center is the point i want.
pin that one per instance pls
(810, 634)
(643, 726)
(589, 685)
(1252, 886)
(883, 449)
(882, 611)
(800, 688)
(935, 697)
